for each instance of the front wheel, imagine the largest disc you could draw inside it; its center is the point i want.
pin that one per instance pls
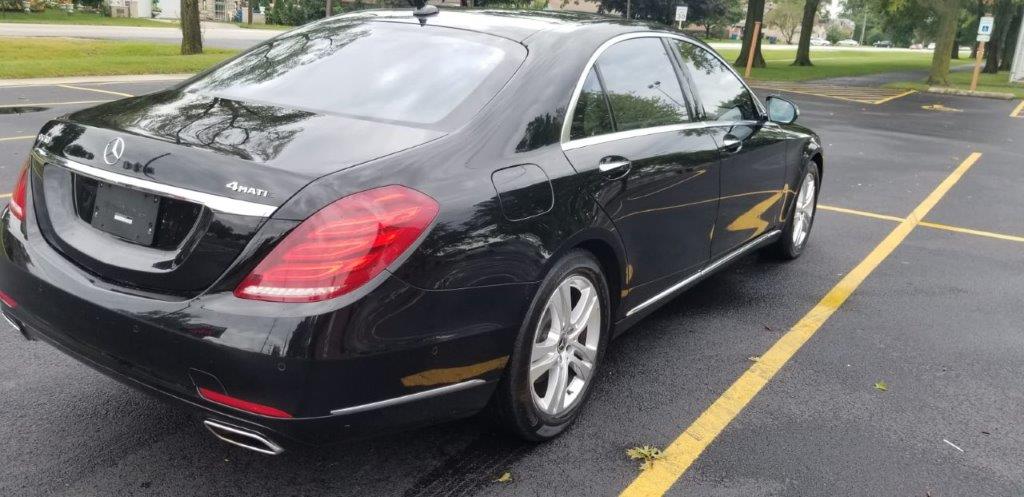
(798, 227)
(558, 350)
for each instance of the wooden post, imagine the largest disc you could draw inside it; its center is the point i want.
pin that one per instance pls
(977, 66)
(753, 47)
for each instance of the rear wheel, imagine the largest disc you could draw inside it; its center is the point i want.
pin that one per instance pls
(558, 350)
(798, 227)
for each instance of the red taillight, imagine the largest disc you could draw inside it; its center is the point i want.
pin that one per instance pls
(341, 247)
(7, 300)
(18, 195)
(243, 405)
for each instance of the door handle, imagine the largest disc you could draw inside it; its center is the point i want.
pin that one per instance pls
(731, 144)
(619, 165)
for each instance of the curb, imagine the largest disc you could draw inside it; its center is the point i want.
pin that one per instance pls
(124, 78)
(968, 93)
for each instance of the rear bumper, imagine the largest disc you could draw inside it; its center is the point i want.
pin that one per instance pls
(398, 357)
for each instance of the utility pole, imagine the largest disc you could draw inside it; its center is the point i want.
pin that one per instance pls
(864, 27)
(1017, 70)
(629, 5)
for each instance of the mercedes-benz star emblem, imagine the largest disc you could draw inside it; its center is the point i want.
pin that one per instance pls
(113, 151)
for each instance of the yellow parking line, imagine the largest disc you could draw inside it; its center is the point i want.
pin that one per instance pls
(925, 224)
(97, 90)
(859, 213)
(894, 97)
(968, 231)
(5, 195)
(51, 104)
(1019, 111)
(688, 446)
(12, 138)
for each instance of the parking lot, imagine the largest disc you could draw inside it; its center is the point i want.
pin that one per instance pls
(886, 361)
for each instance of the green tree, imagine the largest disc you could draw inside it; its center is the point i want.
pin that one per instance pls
(191, 36)
(803, 49)
(786, 16)
(755, 14)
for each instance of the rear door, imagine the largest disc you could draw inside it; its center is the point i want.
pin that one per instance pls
(633, 140)
(752, 150)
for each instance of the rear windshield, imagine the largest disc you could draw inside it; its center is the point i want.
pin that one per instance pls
(393, 72)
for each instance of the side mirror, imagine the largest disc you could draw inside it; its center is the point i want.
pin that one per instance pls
(782, 111)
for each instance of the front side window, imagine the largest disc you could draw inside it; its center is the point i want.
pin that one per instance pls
(642, 85)
(723, 95)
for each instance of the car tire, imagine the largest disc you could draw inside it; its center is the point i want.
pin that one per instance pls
(549, 356)
(797, 231)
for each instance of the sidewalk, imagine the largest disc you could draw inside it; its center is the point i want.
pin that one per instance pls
(216, 35)
(138, 78)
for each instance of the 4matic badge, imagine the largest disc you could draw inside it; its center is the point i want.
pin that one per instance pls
(248, 190)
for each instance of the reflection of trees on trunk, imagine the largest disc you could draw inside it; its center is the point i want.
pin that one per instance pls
(281, 55)
(249, 131)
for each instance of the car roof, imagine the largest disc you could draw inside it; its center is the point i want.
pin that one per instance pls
(517, 25)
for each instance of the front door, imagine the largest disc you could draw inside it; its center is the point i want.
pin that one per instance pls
(653, 170)
(752, 150)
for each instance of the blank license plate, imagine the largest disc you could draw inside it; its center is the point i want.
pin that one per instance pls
(126, 213)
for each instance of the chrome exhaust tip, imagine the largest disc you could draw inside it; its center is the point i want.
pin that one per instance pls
(241, 437)
(17, 325)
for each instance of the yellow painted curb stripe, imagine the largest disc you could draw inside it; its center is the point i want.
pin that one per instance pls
(1019, 111)
(72, 87)
(860, 213)
(5, 195)
(12, 138)
(686, 448)
(51, 104)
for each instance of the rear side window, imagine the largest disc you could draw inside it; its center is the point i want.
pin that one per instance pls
(723, 95)
(591, 117)
(378, 71)
(642, 85)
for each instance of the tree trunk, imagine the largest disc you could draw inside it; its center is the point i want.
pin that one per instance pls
(249, 6)
(191, 36)
(948, 17)
(803, 50)
(1010, 46)
(755, 13)
(327, 10)
(955, 54)
(994, 49)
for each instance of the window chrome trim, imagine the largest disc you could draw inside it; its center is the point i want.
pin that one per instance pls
(569, 144)
(707, 271)
(426, 394)
(634, 133)
(213, 202)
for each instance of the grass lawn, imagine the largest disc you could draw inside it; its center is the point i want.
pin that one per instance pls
(53, 57)
(836, 63)
(278, 27)
(57, 16)
(962, 80)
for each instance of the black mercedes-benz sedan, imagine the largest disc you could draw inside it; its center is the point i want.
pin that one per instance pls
(389, 219)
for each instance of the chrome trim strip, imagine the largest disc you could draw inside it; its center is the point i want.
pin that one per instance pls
(213, 202)
(567, 124)
(707, 271)
(634, 133)
(272, 449)
(409, 398)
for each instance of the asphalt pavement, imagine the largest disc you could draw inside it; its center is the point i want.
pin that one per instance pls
(937, 320)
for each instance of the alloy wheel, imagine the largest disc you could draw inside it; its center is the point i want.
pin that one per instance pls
(804, 212)
(565, 346)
